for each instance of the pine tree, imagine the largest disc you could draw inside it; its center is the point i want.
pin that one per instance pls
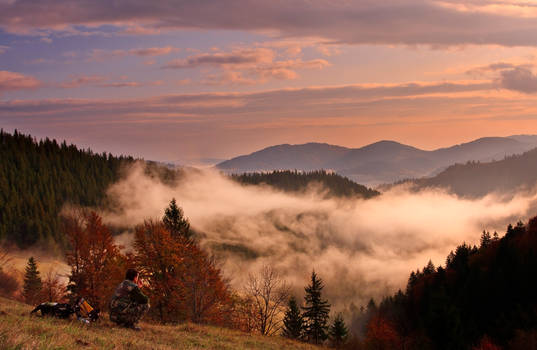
(175, 221)
(293, 323)
(32, 283)
(338, 331)
(316, 311)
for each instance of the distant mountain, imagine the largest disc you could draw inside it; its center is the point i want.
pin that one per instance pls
(475, 179)
(332, 185)
(380, 162)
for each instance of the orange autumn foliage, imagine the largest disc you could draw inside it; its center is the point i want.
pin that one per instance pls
(182, 281)
(382, 335)
(486, 344)
(95, 260)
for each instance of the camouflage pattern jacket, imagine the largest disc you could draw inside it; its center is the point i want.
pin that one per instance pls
(127, 294)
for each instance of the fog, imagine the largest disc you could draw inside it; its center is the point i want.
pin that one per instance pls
(360, 248)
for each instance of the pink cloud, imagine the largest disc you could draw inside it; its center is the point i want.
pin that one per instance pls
(82, 80)
(10, 81)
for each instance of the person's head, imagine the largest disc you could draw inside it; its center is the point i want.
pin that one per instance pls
(131, 275)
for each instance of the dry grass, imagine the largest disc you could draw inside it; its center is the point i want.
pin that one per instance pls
(18, 330)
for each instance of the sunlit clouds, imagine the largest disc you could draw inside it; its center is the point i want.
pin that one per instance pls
(249, 74)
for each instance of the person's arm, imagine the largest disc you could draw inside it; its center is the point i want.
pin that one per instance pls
(138, 297)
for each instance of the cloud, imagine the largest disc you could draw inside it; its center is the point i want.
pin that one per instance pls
(242, 57)
(511, 76)
(100, 55)
(121, 84)
(3, 49)
(10, 81)
(153, 51)
(519, 79)
(409, 22)
(247, 66)
(82, 80)
(361, 248)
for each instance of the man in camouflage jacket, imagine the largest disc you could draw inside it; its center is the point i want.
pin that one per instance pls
(128, 304)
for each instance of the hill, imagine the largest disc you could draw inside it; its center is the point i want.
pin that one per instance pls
(380, 162)
(475, 179)
(38, 177)
(20, 331)
(483, 295)
(293, 181)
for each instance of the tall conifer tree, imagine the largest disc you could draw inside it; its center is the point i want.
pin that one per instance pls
(338, 331)
(32, 283)
(316, 311)
(175, 221)
(293, 323)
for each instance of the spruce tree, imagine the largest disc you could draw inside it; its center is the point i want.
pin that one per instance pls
(32, 283)
(315, 312)
(175, 221)
(293, 323)
(338, 331)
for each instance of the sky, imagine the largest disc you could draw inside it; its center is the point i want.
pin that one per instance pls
(194, 82)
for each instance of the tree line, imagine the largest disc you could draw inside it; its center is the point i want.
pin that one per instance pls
(299, 182)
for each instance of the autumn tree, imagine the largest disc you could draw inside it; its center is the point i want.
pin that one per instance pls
(9, 284)
(32, 283)
(160, 258)
(206, 292)
(175, 221)
(269, 293)
(97, 265)
(316, 311)
(381, 334)
(293, 323)
(338, 331)
(53, 288)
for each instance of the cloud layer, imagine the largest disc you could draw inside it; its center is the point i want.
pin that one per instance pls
(431, 22)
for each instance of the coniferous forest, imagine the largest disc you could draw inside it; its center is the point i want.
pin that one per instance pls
(296, 181)
(37, 178)
(482, 298)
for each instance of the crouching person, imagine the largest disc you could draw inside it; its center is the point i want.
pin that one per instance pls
(128, 304)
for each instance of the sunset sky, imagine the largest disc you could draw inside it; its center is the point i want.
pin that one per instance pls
(183, 81)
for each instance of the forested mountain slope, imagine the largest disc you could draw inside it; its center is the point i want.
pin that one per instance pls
(475, 179)
(482, 295)
(37, 178)
(333, 184)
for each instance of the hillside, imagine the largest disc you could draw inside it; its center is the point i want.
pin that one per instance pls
(20, 331)
(292, 181)
(482, 295)
(476, 179)
(38, 178)
(380, 162)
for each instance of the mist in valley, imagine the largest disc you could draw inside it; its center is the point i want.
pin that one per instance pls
(360, 248)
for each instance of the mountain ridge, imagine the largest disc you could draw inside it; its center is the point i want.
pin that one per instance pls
(384, 161)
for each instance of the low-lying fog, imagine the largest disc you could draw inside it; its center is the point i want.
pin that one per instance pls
(360, 248)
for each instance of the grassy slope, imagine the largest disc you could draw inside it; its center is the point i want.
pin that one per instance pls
(20, 331)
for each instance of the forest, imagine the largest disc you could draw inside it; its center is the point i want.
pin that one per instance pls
(299, 182)
(38, 178)
(482, 298)
(477, 179)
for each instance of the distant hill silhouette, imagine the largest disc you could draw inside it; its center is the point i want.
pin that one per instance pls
(293, 181)
(380, 162)
(475, 179)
